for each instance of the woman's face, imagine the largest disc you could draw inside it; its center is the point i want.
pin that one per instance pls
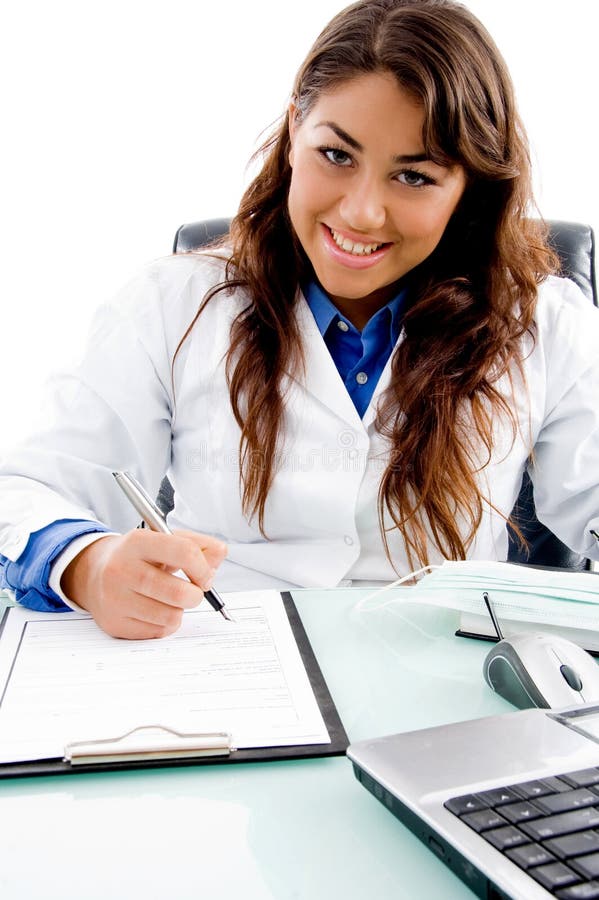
(365, 202)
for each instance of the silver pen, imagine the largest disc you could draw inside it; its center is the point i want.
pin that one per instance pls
(154, 519)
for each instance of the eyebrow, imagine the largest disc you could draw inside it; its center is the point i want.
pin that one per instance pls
(356, 145)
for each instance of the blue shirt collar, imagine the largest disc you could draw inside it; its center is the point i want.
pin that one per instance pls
(325, 312)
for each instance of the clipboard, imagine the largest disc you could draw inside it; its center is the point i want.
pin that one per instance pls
(129, 750)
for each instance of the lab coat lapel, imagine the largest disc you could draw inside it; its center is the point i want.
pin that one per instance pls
(321, 378)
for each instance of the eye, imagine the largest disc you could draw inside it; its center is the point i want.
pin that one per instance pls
(336, 156)
(414, 178)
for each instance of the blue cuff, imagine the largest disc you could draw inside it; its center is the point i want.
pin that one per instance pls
(29, 576)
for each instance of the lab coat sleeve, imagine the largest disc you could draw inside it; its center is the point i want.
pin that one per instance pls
(112, 412)
(565, 463)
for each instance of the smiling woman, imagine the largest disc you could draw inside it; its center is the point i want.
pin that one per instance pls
(364, 215)
(390, 85)
(354, 380)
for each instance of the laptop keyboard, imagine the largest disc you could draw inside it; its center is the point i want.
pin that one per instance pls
(550, 828)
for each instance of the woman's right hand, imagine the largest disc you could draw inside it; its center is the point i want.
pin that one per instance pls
(126, 582)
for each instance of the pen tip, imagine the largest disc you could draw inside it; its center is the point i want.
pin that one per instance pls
(226, 615)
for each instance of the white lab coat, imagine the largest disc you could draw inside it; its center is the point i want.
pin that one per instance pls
(118, 411)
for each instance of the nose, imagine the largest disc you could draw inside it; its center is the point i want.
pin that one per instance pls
(363, 204)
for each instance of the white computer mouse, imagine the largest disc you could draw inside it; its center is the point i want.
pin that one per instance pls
(543, 670)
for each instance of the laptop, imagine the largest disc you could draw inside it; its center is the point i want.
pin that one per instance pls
(510, 803)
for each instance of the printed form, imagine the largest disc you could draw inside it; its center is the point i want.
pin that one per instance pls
(64, 680)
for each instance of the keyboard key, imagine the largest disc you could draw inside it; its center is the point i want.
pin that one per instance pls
(497, 796)
(582, 778)
(521, 812)
(574, 844)
(528, 790)
(563, 823)
(528, 855)
(555, 803)
(484, 819)
(587, 866)
(465, 804)
(554, 876)
(587, 891)
(502, 838)
(556, 784)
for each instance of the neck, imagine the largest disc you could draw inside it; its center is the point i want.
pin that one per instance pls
(359, 311)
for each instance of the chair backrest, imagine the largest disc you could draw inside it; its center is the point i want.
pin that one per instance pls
(575, 245)
(194, 235)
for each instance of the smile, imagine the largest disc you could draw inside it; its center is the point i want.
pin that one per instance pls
(356, 249)
(352, 254)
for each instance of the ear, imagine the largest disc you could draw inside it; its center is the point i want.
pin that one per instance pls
(292, 113)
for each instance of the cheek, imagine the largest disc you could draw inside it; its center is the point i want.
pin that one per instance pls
(293, 196)
(426, 222)
(294, 204)
(309, 190)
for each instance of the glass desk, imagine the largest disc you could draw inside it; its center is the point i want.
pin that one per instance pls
(289, 830)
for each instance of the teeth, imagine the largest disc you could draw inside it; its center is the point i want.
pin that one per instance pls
(350, 247)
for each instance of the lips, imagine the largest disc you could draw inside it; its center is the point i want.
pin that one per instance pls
(352, 254)
(356, 248)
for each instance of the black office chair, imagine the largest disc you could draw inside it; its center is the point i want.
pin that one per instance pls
(575, 245)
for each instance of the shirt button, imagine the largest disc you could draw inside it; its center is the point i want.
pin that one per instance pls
(361, 377)
(348, 540)
(342, 326)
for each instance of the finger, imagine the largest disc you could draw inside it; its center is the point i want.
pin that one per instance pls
(162, 617)
(132, 629)
(155, 612)
(131, 615)
(196, 555)
(213, 549)
(152, 583)
(175, 551)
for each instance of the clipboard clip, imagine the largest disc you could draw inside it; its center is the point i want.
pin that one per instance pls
(148, 742)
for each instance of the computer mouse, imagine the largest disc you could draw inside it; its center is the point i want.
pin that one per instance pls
(544, 670)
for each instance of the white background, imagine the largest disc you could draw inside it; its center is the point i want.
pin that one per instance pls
(123, 119)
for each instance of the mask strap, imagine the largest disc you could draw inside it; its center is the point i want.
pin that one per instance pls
(359, 606)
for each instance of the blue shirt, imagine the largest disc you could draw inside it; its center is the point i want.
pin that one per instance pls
(29, 576)
(360, 358)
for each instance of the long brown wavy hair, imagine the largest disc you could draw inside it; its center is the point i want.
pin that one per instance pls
(471, 301)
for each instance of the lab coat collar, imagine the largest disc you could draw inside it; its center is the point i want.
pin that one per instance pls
(325, 312)
(321, 378)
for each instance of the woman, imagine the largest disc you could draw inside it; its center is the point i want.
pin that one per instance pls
(355, 382)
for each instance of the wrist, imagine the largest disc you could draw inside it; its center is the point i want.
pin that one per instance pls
(81, 572)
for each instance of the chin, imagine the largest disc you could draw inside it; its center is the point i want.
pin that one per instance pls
(354, 288)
